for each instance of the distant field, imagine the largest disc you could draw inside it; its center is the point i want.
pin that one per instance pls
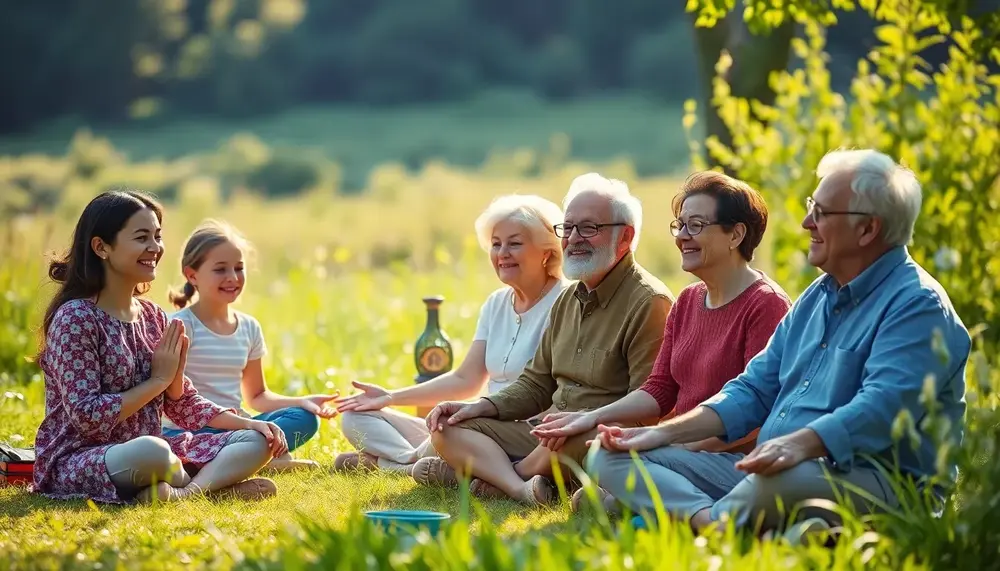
(358, 138)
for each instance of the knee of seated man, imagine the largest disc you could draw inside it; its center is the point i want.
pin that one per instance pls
(443, 437)
(775, 494)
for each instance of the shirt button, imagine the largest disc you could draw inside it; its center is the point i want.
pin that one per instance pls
(505, 359)
(782, 415)
(561, 405)
(836, 311)
(805, 384)
(579, 350)
(823, 345)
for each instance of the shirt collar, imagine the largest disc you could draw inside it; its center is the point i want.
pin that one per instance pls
(866, 282)
(609, 285)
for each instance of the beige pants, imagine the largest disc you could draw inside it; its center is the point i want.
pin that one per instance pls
(395, 438)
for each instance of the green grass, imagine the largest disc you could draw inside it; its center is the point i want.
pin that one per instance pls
(330, 317)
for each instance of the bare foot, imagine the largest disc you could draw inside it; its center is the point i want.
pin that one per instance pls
(252, 489)
(162, 492)
(354, 461)
(286, 463)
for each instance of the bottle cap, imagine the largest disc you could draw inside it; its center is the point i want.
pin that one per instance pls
(433, 301)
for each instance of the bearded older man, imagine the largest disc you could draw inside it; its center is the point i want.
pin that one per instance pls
(601, 343)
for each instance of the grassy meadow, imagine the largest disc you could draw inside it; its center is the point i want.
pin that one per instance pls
(336, 282)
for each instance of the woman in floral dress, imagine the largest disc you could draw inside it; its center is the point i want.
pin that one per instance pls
(113, 365)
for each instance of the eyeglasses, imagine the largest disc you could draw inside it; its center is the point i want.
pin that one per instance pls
(694, 227)
(817, 212)
(584, 230)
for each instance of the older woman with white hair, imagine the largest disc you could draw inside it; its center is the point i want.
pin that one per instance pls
(517, 231)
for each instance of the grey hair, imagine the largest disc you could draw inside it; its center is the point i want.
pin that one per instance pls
(624, 206)
(535, 213)
(880, 186)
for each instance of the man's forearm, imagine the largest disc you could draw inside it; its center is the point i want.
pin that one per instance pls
(693, 426)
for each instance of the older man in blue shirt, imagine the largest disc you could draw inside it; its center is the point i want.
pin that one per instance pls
(858, 349)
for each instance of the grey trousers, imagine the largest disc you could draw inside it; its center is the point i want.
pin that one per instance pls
(136, 464)
(688, 482)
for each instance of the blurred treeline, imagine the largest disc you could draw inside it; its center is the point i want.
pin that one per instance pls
(108, 60)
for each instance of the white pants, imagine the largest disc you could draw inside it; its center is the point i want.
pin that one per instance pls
(395, 438)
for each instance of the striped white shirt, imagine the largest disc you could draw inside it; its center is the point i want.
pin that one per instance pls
(215, 362)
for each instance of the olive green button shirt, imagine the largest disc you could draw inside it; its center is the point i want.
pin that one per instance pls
(599, 345)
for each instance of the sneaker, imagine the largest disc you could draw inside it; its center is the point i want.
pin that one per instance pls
(434, 471)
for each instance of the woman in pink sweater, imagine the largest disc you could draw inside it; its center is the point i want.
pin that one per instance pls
(716, 325)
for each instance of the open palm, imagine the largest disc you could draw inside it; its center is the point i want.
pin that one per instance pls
(619, 439)
(564, 424)
(371, 397)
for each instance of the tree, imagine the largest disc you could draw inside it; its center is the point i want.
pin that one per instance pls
(943, 123)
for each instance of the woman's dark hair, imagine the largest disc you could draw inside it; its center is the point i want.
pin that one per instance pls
(736, 203)
(80, 271)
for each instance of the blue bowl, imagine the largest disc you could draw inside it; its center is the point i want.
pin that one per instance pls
(408, 520)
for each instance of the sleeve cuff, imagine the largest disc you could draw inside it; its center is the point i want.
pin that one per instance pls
(836, 439)
(657, 395)
(503, 410)
(733, 420)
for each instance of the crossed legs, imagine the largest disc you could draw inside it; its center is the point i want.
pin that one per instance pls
(145, 466)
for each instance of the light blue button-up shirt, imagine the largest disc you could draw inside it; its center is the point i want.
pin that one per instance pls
(846, 360)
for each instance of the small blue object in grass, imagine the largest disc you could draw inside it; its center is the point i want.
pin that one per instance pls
(639, 523)
(408, 520)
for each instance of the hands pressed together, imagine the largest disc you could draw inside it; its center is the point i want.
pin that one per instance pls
(170, 358)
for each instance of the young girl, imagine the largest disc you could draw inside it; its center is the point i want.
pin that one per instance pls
(113, 366)
(224, 361)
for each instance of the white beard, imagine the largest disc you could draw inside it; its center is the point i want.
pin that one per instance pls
(585, 267)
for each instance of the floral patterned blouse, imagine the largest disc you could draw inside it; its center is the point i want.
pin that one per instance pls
(89, 359)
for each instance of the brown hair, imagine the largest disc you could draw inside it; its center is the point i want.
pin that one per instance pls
(209, 234)
(79, 271)
(736, 203)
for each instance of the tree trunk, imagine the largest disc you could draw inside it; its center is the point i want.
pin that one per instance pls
(754, 58)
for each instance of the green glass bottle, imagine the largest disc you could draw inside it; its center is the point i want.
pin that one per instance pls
(432, 352)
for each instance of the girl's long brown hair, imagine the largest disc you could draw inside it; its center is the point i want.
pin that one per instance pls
(79, 271)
